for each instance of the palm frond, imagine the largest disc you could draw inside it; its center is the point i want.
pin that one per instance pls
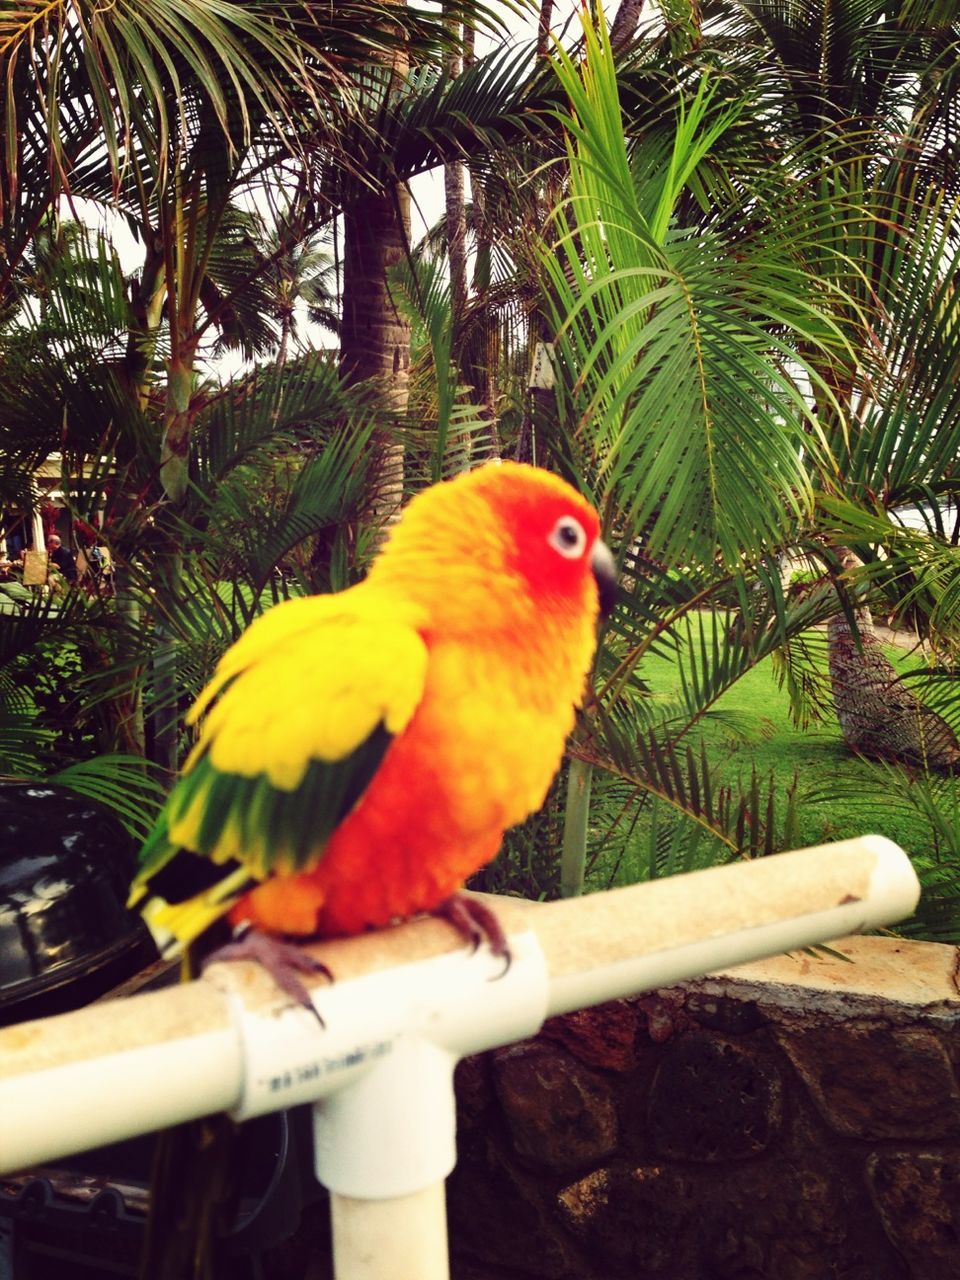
(304, 401)
(24, 746)
(128, 785)
(674, 352)
(936, 801)
(444, 423)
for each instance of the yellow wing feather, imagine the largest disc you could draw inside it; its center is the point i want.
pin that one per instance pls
(298, 715)
(310, 683)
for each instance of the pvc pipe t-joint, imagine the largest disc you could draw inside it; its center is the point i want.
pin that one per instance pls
(386, 1122)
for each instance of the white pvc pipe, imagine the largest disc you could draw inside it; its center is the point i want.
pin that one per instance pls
(89, 1103)
(686, 926)
(112, 1071)
(407, 998)
(403, 1238)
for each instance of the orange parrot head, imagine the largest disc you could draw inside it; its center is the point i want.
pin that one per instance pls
(514, 530)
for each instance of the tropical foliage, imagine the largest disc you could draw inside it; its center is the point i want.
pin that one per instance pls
(730, 234)
(704, 334)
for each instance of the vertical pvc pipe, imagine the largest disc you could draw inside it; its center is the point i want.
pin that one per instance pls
(404, 1238)
(392, 1130)
(385, 1142)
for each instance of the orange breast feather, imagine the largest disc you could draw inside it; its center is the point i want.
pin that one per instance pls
(477, 757)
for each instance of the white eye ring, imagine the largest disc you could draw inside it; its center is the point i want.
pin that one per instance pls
(568, 537)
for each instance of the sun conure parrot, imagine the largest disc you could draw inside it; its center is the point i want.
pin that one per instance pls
(361, 754)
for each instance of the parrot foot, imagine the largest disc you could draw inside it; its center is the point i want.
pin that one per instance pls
(477, 923)
(282, 960)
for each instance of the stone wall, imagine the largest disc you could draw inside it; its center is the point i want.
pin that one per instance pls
(797, 1119)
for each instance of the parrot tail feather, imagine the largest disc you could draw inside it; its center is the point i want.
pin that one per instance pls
(178, 924)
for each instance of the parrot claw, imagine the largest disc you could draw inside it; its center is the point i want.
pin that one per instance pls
(282, 960)
(477, 923)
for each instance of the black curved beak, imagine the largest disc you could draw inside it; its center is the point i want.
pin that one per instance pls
(605, 574)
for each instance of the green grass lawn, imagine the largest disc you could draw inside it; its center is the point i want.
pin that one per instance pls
(815, 757)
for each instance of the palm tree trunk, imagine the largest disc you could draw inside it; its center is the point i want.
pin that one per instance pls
(375, 336)
(374, 333)
(483, 373)
(625, 25)
(453, 188)
(166, 717)
(539, 413)
(283, 347)
(456, 216)
(456, 225)
(879, 716)
(175, 450)
(125, 712)
(544, 19)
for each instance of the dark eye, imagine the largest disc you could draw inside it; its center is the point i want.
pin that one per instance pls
(568, 538)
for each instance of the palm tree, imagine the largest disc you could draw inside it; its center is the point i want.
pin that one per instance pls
(300, 272)
(737, 311)
(866, 96)
(166, 124)
(879, 716)
(728, 395)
